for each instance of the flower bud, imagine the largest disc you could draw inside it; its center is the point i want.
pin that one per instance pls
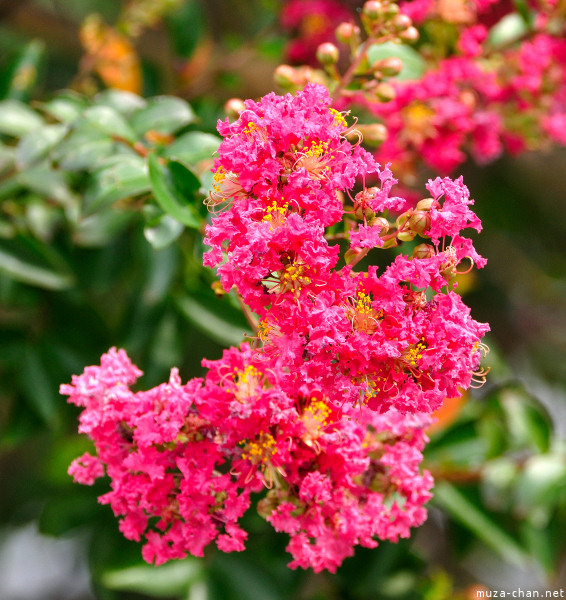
(389, 67)
(411, 34)
(424, 204)
(285, 77)
(218, 289)
(348, 33)
(385, 92)
(382, 223)
(391, 10)
(406, 235)
(364, 212)
(390, 243)
(419, 221)
(402, 22)
(423, 251)
(402, 219)
(373, 134)
(234, 107)
(327, 54)
(373, 9)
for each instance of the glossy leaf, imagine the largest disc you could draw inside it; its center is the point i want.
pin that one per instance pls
(215, 320)
(83, 149)
(34, 264)
(161, 582)
(117, 178)
(164, 232)
(36, 144)
(168, 195)
(192, 147)
(17, 118)
(164, 114)
(126, 103)
(109, 121)
(463, 510)
(65, 106)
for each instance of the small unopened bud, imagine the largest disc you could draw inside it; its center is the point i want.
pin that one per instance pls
(406, 235)
(364, 212)
(373, 134)
(391, 10)
(327, 54)
(419, 221)
(424, 204)
(423, 251)
(402, 219)
(411, 34)
(385, 92)
(382, 223)
(234, 107)
(373, 9)
(285, 76)
(390, 243)
(347, 33)
(389, 67)
(402, 22)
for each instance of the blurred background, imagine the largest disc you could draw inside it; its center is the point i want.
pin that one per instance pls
(87, 262)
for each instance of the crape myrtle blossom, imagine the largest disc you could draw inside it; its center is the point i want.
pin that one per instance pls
(326, 409)
(183, 460)
(354, 336)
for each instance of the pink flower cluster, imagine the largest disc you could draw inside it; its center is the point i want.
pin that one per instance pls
(494, 80)
(326, 410)
(464, 104)
(184, 459)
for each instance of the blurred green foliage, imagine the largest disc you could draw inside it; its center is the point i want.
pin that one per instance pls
(101, 221)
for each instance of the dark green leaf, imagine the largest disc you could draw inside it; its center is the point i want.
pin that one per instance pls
(35, 264)
(165, 114)
(463, 510)
(40, 391)
(22, 73)
(214, 319)
(168, 196)
(17, 119)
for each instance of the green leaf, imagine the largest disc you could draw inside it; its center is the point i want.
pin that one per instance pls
(17, 119)
(214, 319)
(414, 65)
(124, 102)
(165, 114)
(48, 182)
(65, 107)
(37, 386)
(507, 30)
(164, 232)
(193, 147)
(83, 149)
(109, 121)
(22, 73)
(97, 230)
(36, 144)
(168, 194)
(164, 581)
(117, 178)
(460, 508)
(540, 482)
(34, 264)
